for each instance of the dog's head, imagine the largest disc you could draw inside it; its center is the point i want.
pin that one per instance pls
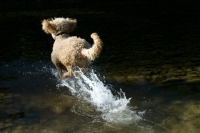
(58, 25)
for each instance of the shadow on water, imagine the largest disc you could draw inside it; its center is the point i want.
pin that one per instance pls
(142, 36)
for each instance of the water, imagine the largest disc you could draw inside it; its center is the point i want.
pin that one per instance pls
(33, 98)
(113, 108)
(37, 100)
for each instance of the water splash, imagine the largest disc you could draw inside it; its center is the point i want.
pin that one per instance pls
(89, 88)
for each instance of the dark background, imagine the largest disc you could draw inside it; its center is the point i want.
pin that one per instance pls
(165, 32)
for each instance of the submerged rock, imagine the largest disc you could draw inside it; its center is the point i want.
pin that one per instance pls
(157, 75)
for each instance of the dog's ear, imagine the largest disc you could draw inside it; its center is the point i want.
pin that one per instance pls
(72, 25)
(49, 27)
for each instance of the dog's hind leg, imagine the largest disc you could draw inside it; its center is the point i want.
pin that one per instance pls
(69, 72)
(59, 69)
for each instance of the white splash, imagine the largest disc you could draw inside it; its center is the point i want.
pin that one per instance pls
(90, 88)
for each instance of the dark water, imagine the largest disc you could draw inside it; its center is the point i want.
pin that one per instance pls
(137, 34)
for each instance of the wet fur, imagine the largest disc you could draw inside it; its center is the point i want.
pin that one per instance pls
(69, 52)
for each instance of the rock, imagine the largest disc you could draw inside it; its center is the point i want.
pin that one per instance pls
(191, 74)
(172, 74)
(197, 69)
(193, 80)
(58, 109)
(144, 73)
(129, 79)
(156, 78)
(135, 79)
(173, 79)
(120, 79)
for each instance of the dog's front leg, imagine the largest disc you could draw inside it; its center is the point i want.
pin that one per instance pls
(69, 72)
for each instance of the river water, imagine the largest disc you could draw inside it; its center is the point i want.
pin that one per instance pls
(146, 79)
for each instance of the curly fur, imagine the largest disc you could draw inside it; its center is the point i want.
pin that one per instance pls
(70, 51)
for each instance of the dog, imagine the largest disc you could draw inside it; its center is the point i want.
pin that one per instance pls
(70, 51)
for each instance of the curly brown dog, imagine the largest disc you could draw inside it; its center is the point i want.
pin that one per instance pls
(69, 52)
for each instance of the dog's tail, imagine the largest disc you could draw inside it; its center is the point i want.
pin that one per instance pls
(96, 48)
